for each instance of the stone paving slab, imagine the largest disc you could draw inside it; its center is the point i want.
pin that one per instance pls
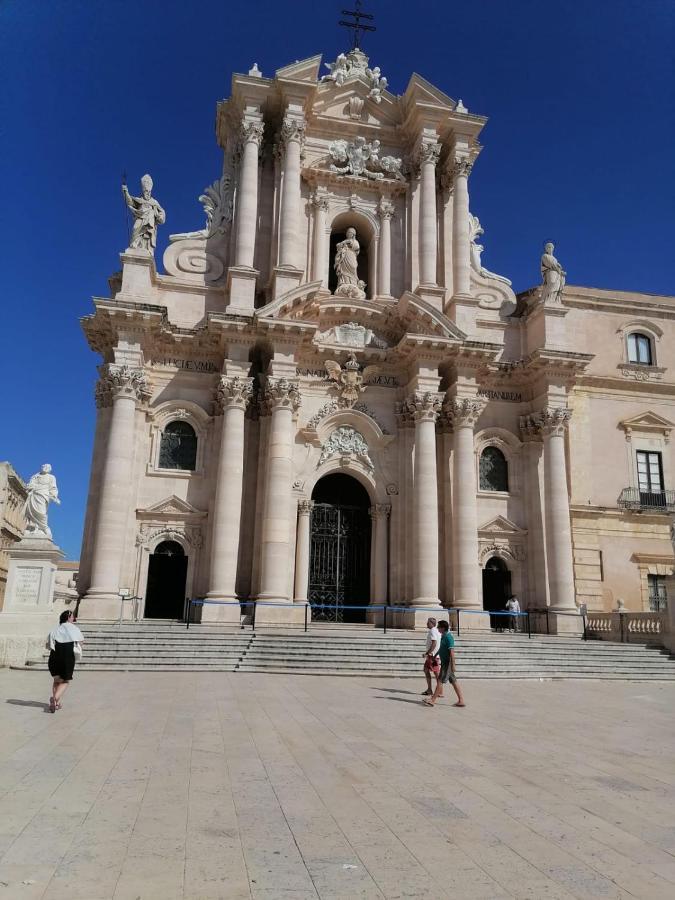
(215, 785)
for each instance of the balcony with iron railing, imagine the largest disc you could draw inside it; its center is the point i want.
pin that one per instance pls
(634, 499)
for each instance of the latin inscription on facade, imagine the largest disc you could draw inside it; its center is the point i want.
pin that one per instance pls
(376, 380)
(27, 584)
(509, 396)
(188, 365)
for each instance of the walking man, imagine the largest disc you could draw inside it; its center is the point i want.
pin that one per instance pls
(432, 663)
(513, 606)
(447, 673)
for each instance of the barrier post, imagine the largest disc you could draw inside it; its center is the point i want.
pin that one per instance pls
(529, 627)
(548, 627)
(458, 623)
(243, 614)
(620, 615)
(384, 618)
(187, 618)
(583, 621)
(306, 606)
(255, 605)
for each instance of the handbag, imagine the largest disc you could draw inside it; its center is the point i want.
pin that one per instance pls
(77, 649)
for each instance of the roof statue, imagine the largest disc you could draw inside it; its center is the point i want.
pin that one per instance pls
(553, 276)
(42, 490)
(147, 213)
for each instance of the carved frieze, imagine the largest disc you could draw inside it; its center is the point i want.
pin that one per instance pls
(346, 442)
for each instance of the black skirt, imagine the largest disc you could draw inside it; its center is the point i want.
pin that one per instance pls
(62, 661)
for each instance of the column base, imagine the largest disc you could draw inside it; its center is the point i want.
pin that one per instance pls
(241, 281)
(564, 624)
(224, 613)
(411, 618)
(99, 605)
(432, 293)
(270, 614)
(284, 279)
(472, 621)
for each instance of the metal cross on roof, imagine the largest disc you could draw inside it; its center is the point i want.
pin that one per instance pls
(356, 25)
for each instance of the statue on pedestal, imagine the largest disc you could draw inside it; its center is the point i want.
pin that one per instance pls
(147, 213)
(41, 490)
(346, 264)
(553, 276)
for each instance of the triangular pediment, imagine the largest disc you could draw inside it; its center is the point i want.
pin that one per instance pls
(351, 102)
(171, 506)
(420, 90)
(301, 70)
(500, 525)
(647, 421)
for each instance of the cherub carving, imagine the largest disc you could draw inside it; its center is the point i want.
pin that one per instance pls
(349, 380)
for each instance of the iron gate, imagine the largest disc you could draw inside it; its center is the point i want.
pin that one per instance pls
(339, 569)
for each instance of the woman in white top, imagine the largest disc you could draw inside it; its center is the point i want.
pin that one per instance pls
(63, 643)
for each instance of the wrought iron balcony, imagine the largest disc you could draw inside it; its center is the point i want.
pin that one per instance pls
(647, 501)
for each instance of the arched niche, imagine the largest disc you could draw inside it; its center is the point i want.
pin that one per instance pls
(366, 235)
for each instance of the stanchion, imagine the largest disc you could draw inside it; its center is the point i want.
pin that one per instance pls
(384, 619)
(458, 623)
(255, 606)
(529, 627)
(306, 607)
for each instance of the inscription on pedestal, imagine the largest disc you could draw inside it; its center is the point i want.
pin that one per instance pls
(27, 584)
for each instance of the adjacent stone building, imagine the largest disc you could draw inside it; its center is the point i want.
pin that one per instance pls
(328, 398)
(12, 519)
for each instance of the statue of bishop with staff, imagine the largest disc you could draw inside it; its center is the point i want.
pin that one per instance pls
(147, 213)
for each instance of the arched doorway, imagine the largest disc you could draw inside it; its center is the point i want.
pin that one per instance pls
(496, 589)
(167, 572)
(339, 566)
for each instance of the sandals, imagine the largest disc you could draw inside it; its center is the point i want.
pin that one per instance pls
(52, 705)
(427, 693)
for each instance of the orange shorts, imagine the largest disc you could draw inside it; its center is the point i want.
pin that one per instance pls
(432, 664)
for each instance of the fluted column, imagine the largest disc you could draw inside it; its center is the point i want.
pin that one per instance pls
(551, 424)
(232, 396)
(291, 138)
(379, 513)
(302, 550)
(247, 193)
(424, 409)
(283, 400)
(428, 157)
(461, 239)
(466, 588)
(385, 211)
(320, 248)
(122, 388)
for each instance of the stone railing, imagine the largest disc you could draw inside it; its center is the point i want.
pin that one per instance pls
(627, 627)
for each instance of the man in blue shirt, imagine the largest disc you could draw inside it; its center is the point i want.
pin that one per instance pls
(446, 651)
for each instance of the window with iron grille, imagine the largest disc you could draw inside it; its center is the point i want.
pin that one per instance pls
(640, 349)
(658, 598)
(178, 447)
(493, 470)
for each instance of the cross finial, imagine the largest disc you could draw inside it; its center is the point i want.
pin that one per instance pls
(356, 25)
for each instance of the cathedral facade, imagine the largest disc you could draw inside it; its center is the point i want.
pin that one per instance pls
(327, 399)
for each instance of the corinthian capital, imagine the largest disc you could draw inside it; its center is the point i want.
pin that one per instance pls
(320, 200)
(121, 381)
(385, 210)
(428, 152)
(423, 407)
(546, 422)
(380, 511)
(464, 413)
(305, 507)
(292, 130)
(461, 167)
(252, 131)
(282, 393)
(233, 391)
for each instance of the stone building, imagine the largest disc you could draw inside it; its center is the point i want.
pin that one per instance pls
(327, 397)
(12, 519)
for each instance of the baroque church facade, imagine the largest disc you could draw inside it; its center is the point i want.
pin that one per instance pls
(327, 398)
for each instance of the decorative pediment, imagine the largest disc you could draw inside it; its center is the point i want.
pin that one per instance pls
(647, 423)
(421, 91)
(301, 70)
(501, 526)
(352, 103)
(170, 508)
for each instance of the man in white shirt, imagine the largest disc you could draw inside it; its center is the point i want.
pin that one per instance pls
(432, 662)
(513, 606)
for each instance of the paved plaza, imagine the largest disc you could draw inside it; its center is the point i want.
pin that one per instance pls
(235, 786)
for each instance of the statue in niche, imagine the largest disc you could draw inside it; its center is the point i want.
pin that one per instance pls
(346, 267)
(147, 213)
(41, 490)
(553, 276)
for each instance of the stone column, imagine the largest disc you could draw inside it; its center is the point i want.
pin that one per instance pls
(320, 248)
(302, 550)
(559, 559)
(461, 240)
(232, 396)
(428, 157)
(291, 139)
(283, 400)
(466, 588)
(424, 408)
(122, 388)
(385, 211)
(247, 193)
(380, 518)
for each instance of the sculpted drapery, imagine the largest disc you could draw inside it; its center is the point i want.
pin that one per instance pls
(41, 490)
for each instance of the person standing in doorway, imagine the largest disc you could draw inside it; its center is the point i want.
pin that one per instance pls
(64, 645)
(446, 651)
(513, 606)
(432, 663)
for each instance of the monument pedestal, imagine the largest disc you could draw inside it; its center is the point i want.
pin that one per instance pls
(29, 611)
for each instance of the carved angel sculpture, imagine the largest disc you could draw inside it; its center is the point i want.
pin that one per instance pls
(350, 380)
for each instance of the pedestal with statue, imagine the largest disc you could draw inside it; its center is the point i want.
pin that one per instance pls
(29, 608)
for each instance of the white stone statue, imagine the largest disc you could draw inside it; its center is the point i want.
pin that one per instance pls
(349, 379)
(475, 231)
(41, 490)
(339, 70)
(346, 266)
(378, 83)
(147, 213)
(553, 276)
(346, 441)
(360, 158)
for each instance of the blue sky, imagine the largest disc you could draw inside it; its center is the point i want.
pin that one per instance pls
(579, 148)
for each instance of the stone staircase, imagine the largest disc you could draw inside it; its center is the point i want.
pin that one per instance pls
(341, 650)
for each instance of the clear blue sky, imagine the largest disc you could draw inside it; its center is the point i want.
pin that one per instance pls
(579, 147)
